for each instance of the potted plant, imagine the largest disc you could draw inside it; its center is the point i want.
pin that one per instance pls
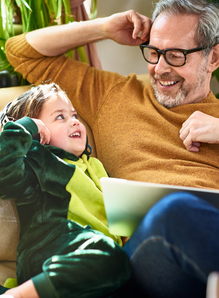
(18, 16)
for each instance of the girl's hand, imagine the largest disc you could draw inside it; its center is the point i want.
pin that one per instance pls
(43, 131)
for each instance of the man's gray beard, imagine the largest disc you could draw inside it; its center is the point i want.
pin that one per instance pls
(167, 100)
(173, 101)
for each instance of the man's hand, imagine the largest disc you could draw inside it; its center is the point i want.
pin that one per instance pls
(199, 128)
(43, 131)
(127, 28)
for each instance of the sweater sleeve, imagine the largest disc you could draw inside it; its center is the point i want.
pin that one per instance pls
(29, 125)
(87, 87)
(27, 168)
(15, 175)
(37, 68)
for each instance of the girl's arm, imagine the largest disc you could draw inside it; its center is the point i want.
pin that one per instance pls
(15, 142)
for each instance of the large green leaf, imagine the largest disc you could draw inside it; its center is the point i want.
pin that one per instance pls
(93, 12)
(214, 1)
(216, 74)
(35, 14)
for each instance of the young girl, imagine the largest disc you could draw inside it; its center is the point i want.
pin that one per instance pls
(65, 248)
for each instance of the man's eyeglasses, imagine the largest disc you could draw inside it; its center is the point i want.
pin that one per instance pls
(174, 57)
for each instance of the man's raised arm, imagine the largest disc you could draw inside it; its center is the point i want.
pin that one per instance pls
(127, 28)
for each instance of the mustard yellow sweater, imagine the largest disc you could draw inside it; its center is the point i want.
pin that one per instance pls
(136, 137)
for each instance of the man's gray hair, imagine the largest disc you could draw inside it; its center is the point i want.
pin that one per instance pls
(208, 12)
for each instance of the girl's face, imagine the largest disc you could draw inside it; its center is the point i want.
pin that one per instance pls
(66, 131)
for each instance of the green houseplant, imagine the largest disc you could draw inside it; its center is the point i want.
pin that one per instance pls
(216, 74)
(18, 16)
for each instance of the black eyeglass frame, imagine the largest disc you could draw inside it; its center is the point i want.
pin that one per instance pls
(163, 52)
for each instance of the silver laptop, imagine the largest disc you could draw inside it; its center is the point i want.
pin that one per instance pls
(126, 202)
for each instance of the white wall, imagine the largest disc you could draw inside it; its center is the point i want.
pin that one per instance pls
(114, 57)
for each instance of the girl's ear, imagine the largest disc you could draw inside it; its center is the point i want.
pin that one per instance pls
(214, 59)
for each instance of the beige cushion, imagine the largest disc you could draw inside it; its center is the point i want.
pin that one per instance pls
(9, 236)
(10, 93)
(7, 270)
(144, 78)
(9, 231)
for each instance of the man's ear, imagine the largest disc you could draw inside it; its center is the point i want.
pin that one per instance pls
(214, 58)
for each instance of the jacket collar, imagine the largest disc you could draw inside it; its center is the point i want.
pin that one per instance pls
(61, 153)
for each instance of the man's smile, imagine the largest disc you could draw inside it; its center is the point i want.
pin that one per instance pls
(167, 83)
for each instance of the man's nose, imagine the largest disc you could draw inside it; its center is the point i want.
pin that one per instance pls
(162, 66)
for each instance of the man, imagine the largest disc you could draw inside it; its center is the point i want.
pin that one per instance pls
(165, 133)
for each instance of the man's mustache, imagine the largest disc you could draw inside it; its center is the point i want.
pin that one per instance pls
(167, 77)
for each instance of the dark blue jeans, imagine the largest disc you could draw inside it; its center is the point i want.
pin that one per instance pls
(175, 247)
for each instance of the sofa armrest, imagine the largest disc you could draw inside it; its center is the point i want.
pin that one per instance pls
(7, 270)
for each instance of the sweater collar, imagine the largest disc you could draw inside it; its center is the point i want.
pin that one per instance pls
(61, 153)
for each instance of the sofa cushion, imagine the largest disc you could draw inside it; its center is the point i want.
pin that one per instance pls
(7, 270)
(9, 230)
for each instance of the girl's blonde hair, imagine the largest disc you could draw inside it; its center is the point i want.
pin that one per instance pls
(30, 103)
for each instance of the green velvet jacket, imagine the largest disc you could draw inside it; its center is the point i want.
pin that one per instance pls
(49, 185)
